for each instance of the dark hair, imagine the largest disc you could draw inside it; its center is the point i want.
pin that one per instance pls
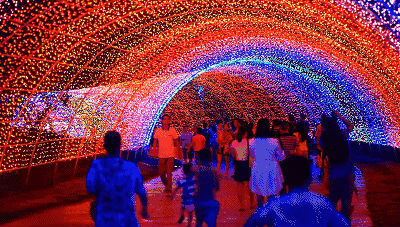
(291, 117)
(199, 130)
(240, 121)
(284, 125)
(276, 122)
(296, 171)
(112, 142)
(302, 129)
(334, 142)
(250, 133)
(187, 168)
(323, 118)
(302, 116)
(165, 115)
(205, 156)
(263, 128)
(241, 132)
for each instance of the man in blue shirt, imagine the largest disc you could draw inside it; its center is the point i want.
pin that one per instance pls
(299, 207)
(115, 181)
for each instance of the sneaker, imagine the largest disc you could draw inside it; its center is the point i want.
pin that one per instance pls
(181, 219)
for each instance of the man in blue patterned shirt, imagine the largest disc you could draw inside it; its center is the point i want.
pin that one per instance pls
(114, 182)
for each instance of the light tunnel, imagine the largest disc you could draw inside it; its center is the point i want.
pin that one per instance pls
(70, 71)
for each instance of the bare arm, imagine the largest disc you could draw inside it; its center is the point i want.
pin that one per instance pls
(349, 125)
(155, 143)
(180, 139)
(177, 143)
(232, 151)
(318, 134)
(141, 191)
(91, 179)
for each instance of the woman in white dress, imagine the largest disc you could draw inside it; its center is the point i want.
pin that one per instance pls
(266, 175)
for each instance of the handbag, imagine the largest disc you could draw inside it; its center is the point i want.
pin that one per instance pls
(248, 159)
(153, 152)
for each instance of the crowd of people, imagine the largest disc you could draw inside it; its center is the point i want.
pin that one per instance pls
(271, 167)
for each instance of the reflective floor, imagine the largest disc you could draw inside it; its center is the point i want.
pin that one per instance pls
(370, 203)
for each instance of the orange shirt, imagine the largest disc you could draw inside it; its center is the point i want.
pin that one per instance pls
(198, 142)
(166, 142)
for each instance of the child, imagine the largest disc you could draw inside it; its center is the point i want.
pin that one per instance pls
(188, 187)
(207, 184)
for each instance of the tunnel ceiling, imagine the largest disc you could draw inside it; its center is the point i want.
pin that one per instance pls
(70, 70)
(218, 96)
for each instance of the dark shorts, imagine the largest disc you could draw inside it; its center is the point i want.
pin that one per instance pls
(242, 171)
(221, 151)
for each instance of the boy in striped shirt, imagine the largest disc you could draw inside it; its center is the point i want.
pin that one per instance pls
(188, 188)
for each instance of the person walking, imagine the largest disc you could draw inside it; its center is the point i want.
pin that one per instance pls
(188, 188)
(299, 207)
(198, 143)
(166, 143)
(301, 135)
(266, 175)
(341, 169)
(240, 153)
(224, 139)
(207, 184)
(318, 142)
(186, 140)
(115, 182)
(287, 141)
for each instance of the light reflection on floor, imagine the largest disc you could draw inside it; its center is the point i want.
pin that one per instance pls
(164, 212)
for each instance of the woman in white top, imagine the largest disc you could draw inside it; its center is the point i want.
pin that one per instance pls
(240, 152)
(266, 175)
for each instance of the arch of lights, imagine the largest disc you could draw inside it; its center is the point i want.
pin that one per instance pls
(70, 70)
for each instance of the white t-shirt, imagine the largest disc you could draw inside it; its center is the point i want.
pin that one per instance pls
(166, 142)
(240, 149)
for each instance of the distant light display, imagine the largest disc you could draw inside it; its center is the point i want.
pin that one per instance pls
(71, 70)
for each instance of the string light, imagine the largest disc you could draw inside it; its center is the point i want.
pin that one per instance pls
(72, 70)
